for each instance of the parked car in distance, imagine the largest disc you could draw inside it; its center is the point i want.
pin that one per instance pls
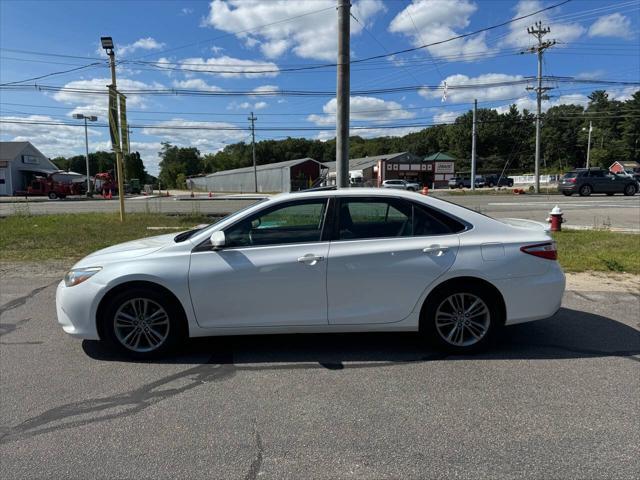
(465, 182)
(584, 182)
(401, 185)
(330, 260)
(494, 180)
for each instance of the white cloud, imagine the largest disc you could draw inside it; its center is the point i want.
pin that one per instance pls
(372, 132)
(212, 138)
(429, 21)
(363, 108)
(52, 140)
(310, 35)
(595, 74)
(518, 36)
(247, 106)
(186, 11)
(97, 103)
(482, 93)
(446, 116)
(196, 84)
(614, 25)
(148, 43)
(232, 67)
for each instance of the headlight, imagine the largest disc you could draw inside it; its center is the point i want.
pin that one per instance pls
(79, 275)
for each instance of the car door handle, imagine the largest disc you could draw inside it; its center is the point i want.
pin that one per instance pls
(310, 259)
(435, 250)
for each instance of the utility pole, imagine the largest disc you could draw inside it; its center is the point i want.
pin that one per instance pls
(107, 44)
(91, 118)
(343, 94)
(589, 143)
(253, 119)
(473, 146)
(539, 32)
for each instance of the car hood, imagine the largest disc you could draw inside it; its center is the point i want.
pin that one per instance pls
(127, 250)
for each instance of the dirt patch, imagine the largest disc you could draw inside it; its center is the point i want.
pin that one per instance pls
(46, 269)
(603, 282)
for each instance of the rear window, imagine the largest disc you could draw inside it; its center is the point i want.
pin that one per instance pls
(571, 175)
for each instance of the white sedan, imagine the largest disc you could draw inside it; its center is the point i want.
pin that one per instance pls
(349, 260)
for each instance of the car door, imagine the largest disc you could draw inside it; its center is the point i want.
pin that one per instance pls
(385, 253)
(599, 181)
(271, 272)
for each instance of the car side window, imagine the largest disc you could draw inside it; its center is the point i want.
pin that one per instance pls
(427, 221)
(373, 218)
(294, 222)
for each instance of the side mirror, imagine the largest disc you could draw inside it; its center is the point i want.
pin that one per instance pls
(217, 240)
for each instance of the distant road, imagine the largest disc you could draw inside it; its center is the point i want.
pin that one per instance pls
(617, 211)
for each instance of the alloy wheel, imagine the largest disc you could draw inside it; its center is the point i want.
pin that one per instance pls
(462, 319)
(141, 325)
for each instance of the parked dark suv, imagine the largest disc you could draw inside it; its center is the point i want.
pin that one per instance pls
(596, 180)
(494, 180)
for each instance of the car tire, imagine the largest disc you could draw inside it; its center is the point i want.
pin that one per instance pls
(52, 195)
(411, 189)
(585, 190)
(609, 194)
(157, 329)
(567, 194)
(457, 332)
(490, 184)
(630, 190)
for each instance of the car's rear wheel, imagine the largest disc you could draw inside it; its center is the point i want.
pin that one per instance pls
(142, 323)
(52, 195)
(630, 190)
(462, 318)
(585, 190)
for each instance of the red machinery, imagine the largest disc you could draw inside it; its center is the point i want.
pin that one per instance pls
(105, 184)
(52, 188)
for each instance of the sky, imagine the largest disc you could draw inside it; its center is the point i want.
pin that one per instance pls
(216, 61)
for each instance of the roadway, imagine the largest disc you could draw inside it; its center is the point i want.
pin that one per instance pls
(595, 211)
(557, 398)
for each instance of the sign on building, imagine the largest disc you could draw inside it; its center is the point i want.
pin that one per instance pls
(444, 167)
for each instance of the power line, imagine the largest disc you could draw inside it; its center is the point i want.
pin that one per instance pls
(50, 74)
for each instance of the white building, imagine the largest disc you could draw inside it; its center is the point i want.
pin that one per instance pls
(19, 163)
(285, 176)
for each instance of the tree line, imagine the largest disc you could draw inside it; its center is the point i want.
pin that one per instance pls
(504, 140)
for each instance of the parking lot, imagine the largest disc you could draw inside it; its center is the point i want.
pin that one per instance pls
(556, 398)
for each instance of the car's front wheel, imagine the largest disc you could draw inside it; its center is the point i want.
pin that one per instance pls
(630, 190)
(462, 319)
(585, 190)
(142, 323)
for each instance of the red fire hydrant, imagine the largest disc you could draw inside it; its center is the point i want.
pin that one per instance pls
(555, 219)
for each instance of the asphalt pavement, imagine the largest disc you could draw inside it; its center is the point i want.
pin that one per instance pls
(599, 211)
(557, 398)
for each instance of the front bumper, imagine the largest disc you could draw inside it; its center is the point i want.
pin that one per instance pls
(76, 308)
(535, 297)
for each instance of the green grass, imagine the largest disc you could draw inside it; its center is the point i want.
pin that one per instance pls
(599, 251)
(72, 236)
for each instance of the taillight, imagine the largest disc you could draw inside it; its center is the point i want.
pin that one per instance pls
(543, 250)
(571, 180)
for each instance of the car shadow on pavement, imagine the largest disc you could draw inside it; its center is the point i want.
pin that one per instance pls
(569, 334)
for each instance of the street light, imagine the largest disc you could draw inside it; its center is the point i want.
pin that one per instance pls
(584, 129)
(107, 44)
(91, 118)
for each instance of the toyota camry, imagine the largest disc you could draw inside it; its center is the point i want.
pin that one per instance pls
(348, 260)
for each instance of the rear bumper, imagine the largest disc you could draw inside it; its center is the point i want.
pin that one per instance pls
(533, 298)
